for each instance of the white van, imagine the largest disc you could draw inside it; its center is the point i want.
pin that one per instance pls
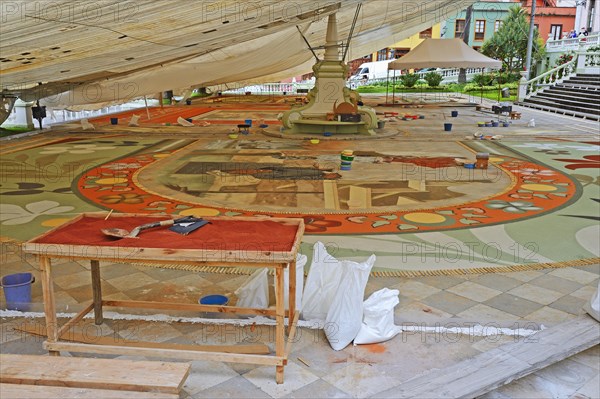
(372, 70)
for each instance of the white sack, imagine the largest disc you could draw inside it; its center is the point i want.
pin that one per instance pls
(254, 293)
(378, 318)
(184, 122)
(593, 307)
(300, 263)
(134, 120)
(344, 318)
(321, 283)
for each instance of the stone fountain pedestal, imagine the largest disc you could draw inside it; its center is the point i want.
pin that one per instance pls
(332, 107)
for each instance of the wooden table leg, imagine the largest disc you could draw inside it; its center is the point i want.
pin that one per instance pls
(49, 304)
(97, 292)
(292, 293)
(280, 319)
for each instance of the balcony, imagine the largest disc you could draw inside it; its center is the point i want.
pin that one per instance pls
(564, 45)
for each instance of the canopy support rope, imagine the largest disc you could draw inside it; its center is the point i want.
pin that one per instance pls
(307, 43)
(356, 13)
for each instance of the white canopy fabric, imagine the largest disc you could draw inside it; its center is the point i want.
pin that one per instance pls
(444, 53)
(72, 53)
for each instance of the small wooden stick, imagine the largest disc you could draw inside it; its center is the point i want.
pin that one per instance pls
(109, 213)
(303, 361)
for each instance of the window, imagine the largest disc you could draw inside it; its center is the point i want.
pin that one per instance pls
(497, 25)
(382, 54)
(459, 28)
(425, 34)
(555, 32)
(479, 29)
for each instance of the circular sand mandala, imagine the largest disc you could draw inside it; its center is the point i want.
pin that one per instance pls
(330, 201)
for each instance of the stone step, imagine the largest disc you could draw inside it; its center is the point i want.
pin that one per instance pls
(561, 111)
(490, 370)
(568, 94)
(563, 98)
(543, 102)
(588, 81)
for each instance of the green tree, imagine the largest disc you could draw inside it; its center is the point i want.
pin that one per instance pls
(509, 43)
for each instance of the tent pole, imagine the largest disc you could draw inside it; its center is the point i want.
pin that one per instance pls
(394, 89)
(387, 86)
(147, 110)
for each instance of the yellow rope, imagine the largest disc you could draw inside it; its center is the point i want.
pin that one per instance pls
(397, 273)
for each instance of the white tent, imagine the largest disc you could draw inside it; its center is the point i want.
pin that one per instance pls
(447, 53)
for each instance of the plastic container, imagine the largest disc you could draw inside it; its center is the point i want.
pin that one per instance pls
(215, 299)
(454, 114)
(114, 121)
(233, 136)
(495, 124)
(505, 124)
(17, 290)
(314, 141)
(218, 300)
(380, 124)
(248, 122)
(447, 127)
(348, 158)
(346, 167)
(188, 102)
(327, 134)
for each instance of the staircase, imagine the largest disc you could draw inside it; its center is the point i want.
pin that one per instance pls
(579, 96)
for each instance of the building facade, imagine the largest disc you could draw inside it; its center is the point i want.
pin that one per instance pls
(486, 18)
(553, 19)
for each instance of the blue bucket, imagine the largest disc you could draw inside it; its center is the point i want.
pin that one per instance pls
(214, 300)
(17, 290)
(248, 122)
(114, 121)
(447, 127)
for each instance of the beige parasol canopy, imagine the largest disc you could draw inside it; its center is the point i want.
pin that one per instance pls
(444, 53)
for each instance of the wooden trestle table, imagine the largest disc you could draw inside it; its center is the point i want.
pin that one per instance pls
(253, 242)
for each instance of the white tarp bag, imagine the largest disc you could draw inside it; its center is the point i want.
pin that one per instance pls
(322, 282)
(378, 318)
(184, 122)
(300, 263)
(254, 293)
(345, 315)
(593, 307)
(134, 121)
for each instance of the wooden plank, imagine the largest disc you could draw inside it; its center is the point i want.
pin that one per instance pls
(257, 349)
(188, 306)
(490, 370)
(18, 391)
(75, 320)
(292, 333)
(418, 185)
(165, 353)
(49, 303)
(291, 292)
(359, 197)
(96, 291)
(279, 328)
(330, 194)
(79, 372)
